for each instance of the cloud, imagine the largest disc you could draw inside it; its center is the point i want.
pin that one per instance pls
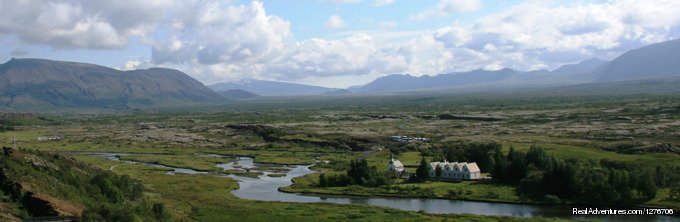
(342, 1)
(541, 35)
(223, 41)
(18, 52)
(447, 7)
(380, 3)
(532, 35)
(335, 22)
(79, 24)
(375, 3)
(579, 27)
(210, 34)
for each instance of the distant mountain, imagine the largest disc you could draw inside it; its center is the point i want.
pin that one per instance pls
(271, 88)
(568, 74)
(393, 83)
(338, 92)
(658, 60)
(238, 94)
(53, 84)
(586, 66)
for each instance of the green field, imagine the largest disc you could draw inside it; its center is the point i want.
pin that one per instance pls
(329, 133)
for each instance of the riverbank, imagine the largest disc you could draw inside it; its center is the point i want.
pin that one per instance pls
(466, 190)
(161, 183)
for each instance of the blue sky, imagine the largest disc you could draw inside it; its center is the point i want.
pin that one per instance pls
(335, 43)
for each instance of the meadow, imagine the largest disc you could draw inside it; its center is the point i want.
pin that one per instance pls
(329, 132)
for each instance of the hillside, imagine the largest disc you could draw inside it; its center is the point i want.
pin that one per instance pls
(39, 83)
(74, 190)
(658, 60)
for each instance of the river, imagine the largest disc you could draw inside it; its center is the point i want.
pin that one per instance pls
(265, 188)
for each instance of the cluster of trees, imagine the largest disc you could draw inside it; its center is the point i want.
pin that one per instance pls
(422, 172)
(538, 174)
(358, 173)
(107, 196)
(142, 211)
(5, 126)
(481, 153)
(117, 188)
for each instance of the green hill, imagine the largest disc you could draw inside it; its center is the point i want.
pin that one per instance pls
(39, 184)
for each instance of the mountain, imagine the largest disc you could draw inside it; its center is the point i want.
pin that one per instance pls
(393, 83)
(338, 92)
(579, 73)
(586, 66)
(33, 83)
(653, 61)
(238, 94)
(271, 88)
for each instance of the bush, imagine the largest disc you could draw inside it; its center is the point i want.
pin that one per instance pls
(552, 199)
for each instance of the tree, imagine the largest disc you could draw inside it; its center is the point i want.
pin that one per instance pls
(500, 166)
(323, 181)
(517, 169)
(358, 171)
(675, 193)
(438, 171)
(423, 171)
(539, 158)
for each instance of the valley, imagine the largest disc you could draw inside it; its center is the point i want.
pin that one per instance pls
(327, 134)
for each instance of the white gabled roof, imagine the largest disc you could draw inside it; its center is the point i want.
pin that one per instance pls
(472, 167)
(397, 163)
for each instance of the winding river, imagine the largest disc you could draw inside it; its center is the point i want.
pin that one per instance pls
(265, 188)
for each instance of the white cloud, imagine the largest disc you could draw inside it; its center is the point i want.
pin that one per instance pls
(376, 3)
(335, 22)
(210, 34)
(446, 7)
(387, 24)
(542, 35)
(532, 35)
(222, 41)
(342, 1)
(379, 3)
(75, 24)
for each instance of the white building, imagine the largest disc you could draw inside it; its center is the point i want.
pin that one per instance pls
(50, 138)
(455, 170)
(395, 165)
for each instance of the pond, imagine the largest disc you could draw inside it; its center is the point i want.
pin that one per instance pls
(265, 188)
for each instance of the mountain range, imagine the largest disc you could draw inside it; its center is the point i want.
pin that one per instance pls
(40, 83)
(271, 88)
(655, 61)
(30, 83)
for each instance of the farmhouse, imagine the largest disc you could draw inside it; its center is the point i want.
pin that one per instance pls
(455, 170)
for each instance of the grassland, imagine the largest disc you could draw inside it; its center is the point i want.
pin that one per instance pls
(331, 132)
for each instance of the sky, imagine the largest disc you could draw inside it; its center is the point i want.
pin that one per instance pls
(333, 43)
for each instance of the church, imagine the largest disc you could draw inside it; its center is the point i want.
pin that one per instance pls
(395, 165)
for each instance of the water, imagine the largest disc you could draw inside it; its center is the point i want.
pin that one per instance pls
(171, 170)
(265, 188)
